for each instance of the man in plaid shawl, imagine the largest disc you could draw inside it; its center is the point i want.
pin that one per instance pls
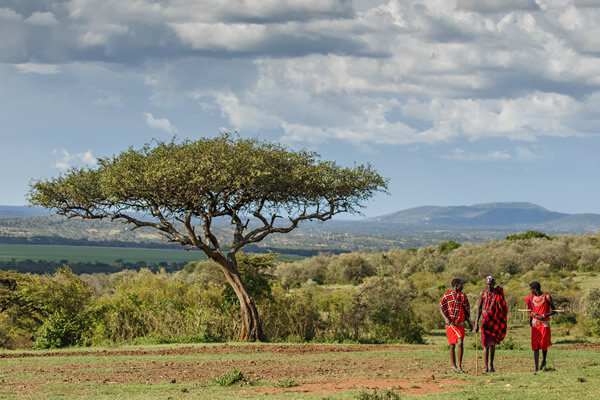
(456, 312)
(492, 310)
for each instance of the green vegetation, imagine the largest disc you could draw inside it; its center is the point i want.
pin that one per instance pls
(232, 377)
(178, 189)
(83, 259)
(385, 395)
(528, 235)
(356, 297)
(286, 383)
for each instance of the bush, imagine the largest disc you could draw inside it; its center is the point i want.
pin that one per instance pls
(448, 246)
(349, 268)
(592, 311)
(529, 235)
(388, 304)
(62, 299)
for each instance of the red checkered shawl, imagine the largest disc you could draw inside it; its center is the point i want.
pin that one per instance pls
(494, 316)
(452, 303)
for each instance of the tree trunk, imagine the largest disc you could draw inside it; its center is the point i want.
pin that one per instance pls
(251, 330)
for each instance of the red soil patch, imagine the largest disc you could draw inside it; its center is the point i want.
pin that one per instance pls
(342, 384)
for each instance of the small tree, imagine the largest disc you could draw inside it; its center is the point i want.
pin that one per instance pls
(183, 187)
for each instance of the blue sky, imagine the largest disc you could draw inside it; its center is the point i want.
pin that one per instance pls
(457, 102)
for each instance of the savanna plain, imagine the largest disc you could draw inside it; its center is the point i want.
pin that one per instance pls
(302, 371)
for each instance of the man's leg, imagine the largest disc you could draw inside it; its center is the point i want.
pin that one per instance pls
(452, 357)
(544, 352)
(460, 354)
(536, 359)
(486, 351)
(492, 348)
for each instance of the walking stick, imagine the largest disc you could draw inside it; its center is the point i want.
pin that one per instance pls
(476, 355)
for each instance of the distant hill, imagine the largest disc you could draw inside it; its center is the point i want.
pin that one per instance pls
(23, 212)
(493, 215)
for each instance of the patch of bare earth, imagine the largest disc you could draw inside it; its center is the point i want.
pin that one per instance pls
(392, 367)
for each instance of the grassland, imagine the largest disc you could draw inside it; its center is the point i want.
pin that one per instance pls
(328, 371)
(108, 255)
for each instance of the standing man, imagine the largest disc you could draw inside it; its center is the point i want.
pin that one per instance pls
(455, 310)
(492, 310)
(541, 307)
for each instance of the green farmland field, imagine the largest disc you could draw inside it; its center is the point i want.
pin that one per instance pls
(108, 255)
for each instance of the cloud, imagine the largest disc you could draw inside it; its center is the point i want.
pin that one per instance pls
(159, 123)
(494, 6)
(461, 155)
(524, 154)
(109, 100)
(42, 18)
(384, 73)
(8, 14)
(33, 68)
(66, 160)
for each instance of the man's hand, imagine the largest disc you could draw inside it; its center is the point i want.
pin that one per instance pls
(476, 327)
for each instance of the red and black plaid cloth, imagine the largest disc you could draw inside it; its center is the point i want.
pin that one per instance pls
(494, 322)
(451, 305)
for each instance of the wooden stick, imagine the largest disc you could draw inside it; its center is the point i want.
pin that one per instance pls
(524, 310)
(476, 354)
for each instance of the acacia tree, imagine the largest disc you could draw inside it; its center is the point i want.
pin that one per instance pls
(183, 187)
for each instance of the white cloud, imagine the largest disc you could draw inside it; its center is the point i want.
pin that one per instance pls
(42, 18)
(109, 100)
(462, 155)
(66, 160)
(8, 14)
(234, 37)
(159, 123)
(33, 68)
(246, 116)
(524, 154)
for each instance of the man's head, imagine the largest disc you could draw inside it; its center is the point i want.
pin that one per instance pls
(457, 284)
(490, 281)
(535, 287)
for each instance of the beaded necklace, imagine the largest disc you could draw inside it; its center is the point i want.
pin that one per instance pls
(539, 300)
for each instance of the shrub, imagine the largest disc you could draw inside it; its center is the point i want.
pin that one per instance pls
(388, 304)
(294, 274)
(385, 395)
(592, 311)
(230, 378)
(349, 268)
(62, 300)
(528, 235)
(448, 246)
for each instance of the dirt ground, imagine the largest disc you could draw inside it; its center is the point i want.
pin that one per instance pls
(322, 372)
(278, 362)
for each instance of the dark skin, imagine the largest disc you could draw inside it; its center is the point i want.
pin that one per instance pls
(458, 288)
(490, 350)
(536, 353)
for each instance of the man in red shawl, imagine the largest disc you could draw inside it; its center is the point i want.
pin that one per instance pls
(456, 312)
(541, 307)
(492, 311)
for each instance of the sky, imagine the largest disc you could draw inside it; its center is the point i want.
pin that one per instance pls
(456, 102)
